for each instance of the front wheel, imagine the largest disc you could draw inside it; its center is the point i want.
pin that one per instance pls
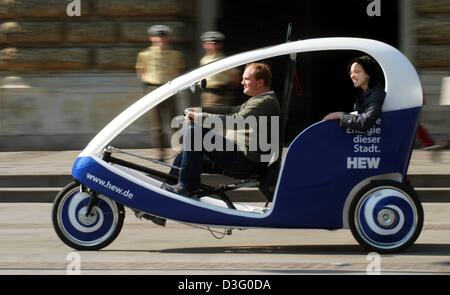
(386, 216)
(82, 232)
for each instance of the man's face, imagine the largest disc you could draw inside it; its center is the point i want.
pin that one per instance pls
(159, 40)
(212, 47)
(251, 85)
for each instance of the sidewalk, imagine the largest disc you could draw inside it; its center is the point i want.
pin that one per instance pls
(37, 176)
(60, 162)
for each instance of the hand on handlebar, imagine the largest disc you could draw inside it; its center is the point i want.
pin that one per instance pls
(190, 116)
(192, 110)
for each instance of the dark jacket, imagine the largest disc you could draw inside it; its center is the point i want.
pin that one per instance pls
(368, 105)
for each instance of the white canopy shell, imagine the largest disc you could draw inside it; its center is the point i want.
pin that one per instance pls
(403, 86)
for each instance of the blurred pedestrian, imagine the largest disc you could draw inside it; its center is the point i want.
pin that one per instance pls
(425, 139)
(155, 66)
(220, 87)
(422, 134)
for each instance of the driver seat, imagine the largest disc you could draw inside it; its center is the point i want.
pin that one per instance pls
(266, 177)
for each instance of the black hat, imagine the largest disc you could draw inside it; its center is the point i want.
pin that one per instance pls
(212, 37)
(159, 30)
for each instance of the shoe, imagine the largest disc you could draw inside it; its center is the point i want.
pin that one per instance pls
(179, 189)
(155, 219)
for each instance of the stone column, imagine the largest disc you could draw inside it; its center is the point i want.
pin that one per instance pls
(208, 11)
(407, 36)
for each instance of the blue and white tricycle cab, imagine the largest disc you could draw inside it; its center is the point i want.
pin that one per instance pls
(330, 177)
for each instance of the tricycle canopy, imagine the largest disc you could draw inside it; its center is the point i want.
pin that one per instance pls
(403, 88)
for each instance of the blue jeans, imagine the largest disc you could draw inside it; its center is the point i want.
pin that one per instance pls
(193, 163)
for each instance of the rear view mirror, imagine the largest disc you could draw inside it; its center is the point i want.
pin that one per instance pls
(200, 84)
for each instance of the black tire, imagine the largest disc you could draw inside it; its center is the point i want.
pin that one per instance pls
(386, 216)
(86, 233)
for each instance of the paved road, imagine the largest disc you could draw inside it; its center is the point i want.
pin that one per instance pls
(30, 246)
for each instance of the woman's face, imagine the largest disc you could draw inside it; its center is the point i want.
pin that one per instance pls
(359, 76)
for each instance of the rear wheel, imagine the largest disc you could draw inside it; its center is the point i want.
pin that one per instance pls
(386, 216)
(79, 230)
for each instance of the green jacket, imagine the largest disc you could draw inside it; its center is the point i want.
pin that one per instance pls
(241, 124)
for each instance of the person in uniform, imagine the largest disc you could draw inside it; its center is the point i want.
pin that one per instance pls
(219, 87)
(155, 66)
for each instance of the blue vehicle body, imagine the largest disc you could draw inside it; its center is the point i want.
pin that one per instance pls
(322, 165)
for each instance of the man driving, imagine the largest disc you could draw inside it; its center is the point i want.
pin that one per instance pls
(243, 158)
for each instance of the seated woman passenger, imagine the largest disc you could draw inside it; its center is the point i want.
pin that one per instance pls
(365, 74)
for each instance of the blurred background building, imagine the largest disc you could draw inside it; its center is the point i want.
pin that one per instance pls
(63, 78)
